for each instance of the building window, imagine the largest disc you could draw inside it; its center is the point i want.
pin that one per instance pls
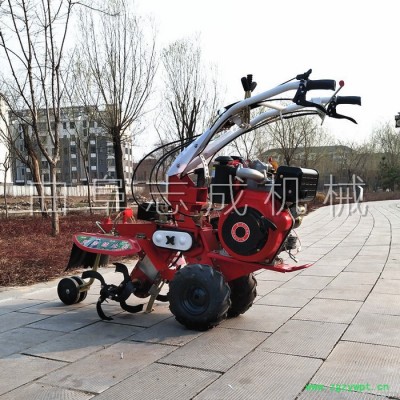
(91, 124)
(72, 124)
(64, 125)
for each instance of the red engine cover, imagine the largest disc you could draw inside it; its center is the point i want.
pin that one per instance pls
(254, 227)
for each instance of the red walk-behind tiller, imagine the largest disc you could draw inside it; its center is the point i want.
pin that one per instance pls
(207, 233)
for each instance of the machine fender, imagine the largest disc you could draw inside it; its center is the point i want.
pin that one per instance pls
(106, 244)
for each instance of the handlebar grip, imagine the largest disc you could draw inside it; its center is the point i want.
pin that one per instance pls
(245, 84)
(348, 100)
(322, 84)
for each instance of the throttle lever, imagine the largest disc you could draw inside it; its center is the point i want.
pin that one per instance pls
(304, 76)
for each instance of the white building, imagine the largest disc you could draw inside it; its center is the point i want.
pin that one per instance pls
(86, 151)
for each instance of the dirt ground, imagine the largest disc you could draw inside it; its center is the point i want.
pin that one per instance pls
(29, 253)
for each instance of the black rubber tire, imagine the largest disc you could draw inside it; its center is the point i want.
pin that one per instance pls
(199, 297)
(243, 293)
(68, 291)
(82, 295)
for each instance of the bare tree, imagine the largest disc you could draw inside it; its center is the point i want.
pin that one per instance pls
(117, 66)
(251, 145)
(192, 92)
(297, 138)
(6, 164)
(355, 158)
(387, 141)
(32, 37)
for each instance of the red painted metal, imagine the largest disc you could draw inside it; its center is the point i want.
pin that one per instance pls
(106, 244)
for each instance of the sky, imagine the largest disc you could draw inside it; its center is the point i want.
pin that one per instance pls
(351, 40)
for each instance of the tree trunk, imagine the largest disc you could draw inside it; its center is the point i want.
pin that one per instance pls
(87, 174)
(89, 198)
(37, 181)
(119, 169)
(55, 222)
(5, 191)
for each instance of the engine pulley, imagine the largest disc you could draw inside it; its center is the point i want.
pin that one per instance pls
(245, 231)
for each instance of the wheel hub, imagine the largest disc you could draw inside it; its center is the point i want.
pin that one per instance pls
(197, 299)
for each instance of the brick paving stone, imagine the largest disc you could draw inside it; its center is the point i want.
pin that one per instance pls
(264, 287)
(73, 319)
(322, 270)
(8, 305)
(83, 342)
(328, 310)
(107, 367)
(142, 319)
(382, 303)
(15, 320)
(304, 338)
(345, 279)
(168, 332)
(308, 282)
(387, 286)
(220, 349)
(359, 363)
(20, 339)
(288, 297)
(161, 382)
(263, 375)
(18, 370)
(261, 318)
(39, 391)
(355, 292)
(374, 328)
(326, 393)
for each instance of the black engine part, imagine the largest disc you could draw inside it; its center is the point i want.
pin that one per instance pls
(294, 184)
(245, 231)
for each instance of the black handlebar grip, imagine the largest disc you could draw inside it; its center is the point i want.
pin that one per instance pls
(249, 80)
(322, 84)
(245, 84)
(348, 100)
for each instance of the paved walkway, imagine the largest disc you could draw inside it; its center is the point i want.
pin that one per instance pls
(313, 334)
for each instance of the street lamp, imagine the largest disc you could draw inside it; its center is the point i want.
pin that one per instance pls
(397, 120)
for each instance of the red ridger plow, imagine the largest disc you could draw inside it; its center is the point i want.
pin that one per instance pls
(215, 221)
